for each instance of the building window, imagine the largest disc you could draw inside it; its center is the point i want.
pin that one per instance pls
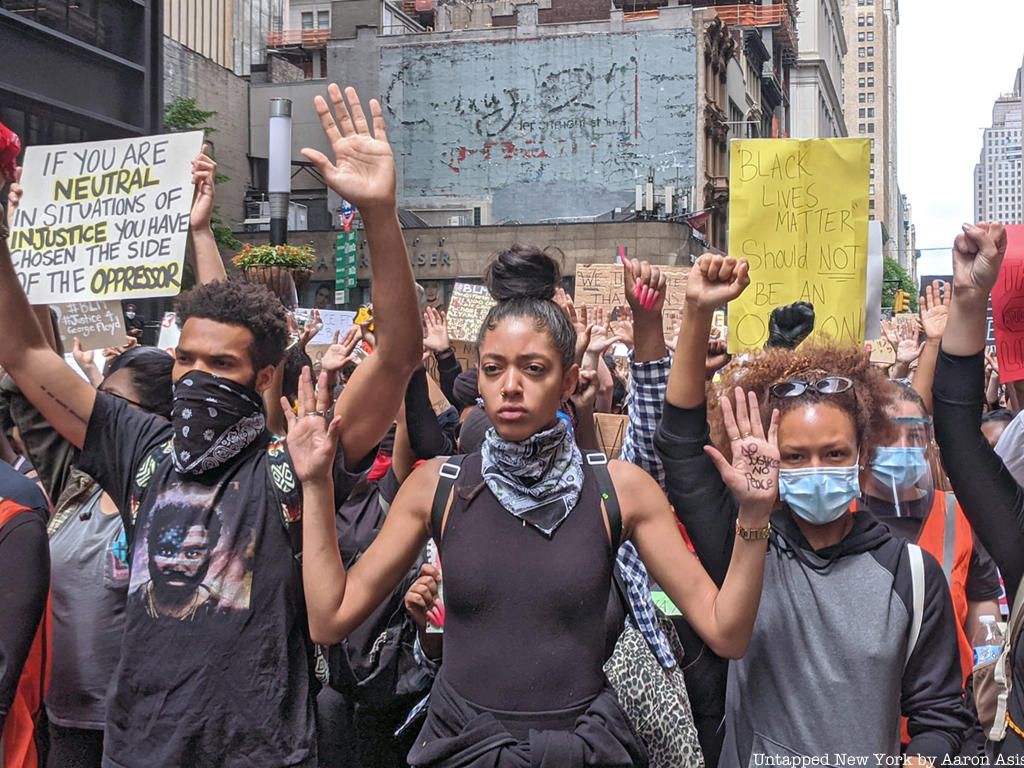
(323, 19)
(871, 37)
(860, 128)
(860, 112)
(860, 67)
(871, 50)
(860, 37)
(871, 67)
(860, 97)
(860, 21)
(871, 127)
(871, 97)
(871, 204)
(871, 20)
(860, 52)
(871, 82)
(871, 111)
(307, 21)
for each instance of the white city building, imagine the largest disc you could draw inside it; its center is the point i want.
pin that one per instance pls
(998, 178)
(815, 85)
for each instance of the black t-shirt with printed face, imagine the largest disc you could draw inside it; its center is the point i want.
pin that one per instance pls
(214, 665)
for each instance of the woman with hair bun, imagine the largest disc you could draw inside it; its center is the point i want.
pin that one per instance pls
(855, 627)
(528, 531)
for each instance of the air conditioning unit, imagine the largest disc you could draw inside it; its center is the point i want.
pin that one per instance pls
(455, 221)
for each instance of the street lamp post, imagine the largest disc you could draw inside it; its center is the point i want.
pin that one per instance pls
(279, 162)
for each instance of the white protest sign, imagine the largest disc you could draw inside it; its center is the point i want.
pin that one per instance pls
(169, 333)
(333, 320)
(104, 219)
(873, 321)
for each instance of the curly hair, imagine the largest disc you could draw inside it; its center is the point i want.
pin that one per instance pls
(250, 305)
(866, 402)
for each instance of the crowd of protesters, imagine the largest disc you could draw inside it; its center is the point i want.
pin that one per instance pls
(234, 557)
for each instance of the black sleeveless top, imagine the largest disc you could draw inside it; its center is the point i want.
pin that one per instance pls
(525, 625)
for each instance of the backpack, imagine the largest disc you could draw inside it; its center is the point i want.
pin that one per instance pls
(374, 665)
(993, 681)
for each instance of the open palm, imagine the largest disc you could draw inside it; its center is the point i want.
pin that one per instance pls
(753, 475)
(363, 171)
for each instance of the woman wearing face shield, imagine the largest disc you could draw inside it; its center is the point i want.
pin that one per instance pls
(838, 651)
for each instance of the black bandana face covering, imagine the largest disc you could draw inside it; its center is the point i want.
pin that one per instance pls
(214, 420)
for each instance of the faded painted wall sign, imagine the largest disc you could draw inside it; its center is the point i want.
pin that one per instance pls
(556, 126)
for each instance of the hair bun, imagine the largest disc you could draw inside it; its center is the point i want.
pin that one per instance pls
(523, 272)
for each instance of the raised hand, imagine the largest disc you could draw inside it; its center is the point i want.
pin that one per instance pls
(312, 327)
(111, 352)
(718, 355)
(83, 357)
(14, 194)
(623, 330)
(435, 331)
(645, 287)
(716, 280)
(587, 387)
(935, 309)
(340, 352)
(978, 253)
(421, 601)
(312, 440)
(363, 171)
(601, 335)
(204, 179)
(753, 475)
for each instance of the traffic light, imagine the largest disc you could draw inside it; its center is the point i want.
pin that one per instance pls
(900, 303)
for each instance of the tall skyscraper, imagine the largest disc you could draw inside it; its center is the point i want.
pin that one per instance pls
(998, 179)
(815, 86)
(869, 101)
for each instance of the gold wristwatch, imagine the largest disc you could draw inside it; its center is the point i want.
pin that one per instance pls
(753, 534)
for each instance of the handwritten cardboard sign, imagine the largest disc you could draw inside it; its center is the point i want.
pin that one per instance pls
(611, 429)
(798, 212)
(105, 219)
(1008, 308)
(97, 324)
(467, 310)
(880, 352)
(603, 285)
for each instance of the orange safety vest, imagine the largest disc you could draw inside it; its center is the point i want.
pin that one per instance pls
(19, 735)
(947, 537)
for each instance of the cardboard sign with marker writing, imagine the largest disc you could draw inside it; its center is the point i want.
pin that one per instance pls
(466, 311)
(603, 285)
(798, 212)
(1008, 308)
(880, 351)
(104, 219)
(97, 324)
(611, 429)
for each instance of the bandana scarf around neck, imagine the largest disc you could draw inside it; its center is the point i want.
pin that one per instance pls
(214, 420)
(539, 479)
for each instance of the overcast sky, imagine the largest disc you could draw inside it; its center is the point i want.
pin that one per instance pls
(954, 59)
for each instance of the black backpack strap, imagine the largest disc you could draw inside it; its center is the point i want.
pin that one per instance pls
(288, 491)
(447, 479)
(598, 462)
(144, 475)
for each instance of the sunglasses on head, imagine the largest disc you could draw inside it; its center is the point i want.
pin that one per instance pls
(830, 385)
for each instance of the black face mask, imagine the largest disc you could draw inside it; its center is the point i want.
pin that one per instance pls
(214, 420)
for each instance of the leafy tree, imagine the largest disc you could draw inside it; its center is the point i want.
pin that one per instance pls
(184, 114)
(895, 278)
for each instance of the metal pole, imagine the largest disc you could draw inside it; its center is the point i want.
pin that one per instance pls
(279, 162)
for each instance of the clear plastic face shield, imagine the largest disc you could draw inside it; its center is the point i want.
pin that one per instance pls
(900, 481)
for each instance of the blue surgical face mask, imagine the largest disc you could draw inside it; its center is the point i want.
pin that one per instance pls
(900, 468)
(819, 495)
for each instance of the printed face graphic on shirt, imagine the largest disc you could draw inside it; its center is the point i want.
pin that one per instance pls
(179, 561)
(194, 558)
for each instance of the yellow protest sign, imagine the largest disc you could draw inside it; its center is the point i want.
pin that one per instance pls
(798, 212)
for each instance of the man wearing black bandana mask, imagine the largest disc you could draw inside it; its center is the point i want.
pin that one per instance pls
(214, 667)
